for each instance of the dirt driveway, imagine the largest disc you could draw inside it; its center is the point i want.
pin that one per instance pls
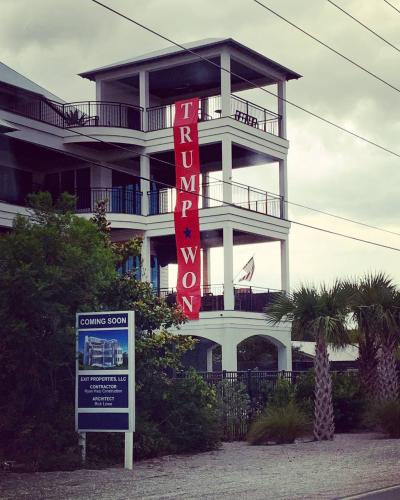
(351, 464)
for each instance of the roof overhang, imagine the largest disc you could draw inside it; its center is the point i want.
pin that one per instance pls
(194, 48)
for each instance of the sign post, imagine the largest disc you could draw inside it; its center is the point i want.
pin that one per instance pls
(105, 376)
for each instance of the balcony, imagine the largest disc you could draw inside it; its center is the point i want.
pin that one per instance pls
(80, 114)
(246, 197)
(119, 200)
(247, 298)
(161, 117)
(122, 115)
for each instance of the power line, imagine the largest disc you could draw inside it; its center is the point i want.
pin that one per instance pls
(393, 7)
(329, 214)
(328, 46)
(364, 25)
(297, 106)
(118, 146)
(344, 235)
(223, 203)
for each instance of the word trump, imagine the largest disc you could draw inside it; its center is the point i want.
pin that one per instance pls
(186, 214)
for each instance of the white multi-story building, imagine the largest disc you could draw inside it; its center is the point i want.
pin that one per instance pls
(48, 144)
(102, 353)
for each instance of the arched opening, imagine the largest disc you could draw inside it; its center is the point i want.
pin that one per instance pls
(205, 357)
(257, 353)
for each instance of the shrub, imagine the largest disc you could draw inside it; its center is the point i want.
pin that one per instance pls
(347, 396)
(279, 425)
(191, 422)
(234, 408)
(348, 401)
(385, 416)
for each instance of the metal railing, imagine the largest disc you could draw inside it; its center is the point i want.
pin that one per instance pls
(163, 201)
(255, 116)
(253, 299)
(80, 114)
(212, 297)
(161, 117)
(120, 200)
(246, 298)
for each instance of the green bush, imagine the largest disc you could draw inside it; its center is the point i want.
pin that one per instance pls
(234, 408)
(348, 401)
(191, 421)
(279, 424)
(385, 417)
(347, 396)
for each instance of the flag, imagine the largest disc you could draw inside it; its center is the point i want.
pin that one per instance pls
(249, 270)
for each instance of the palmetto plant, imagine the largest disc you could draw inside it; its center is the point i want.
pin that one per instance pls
(319, 313)
(375, 304)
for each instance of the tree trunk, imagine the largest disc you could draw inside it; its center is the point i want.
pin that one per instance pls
(367, 363)
(387, 373)
(324, 426)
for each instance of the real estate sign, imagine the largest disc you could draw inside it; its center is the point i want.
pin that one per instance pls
(105, 372)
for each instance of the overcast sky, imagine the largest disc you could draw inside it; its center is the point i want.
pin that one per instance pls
(50, 41)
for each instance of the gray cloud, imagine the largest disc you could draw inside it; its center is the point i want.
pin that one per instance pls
(51, 42)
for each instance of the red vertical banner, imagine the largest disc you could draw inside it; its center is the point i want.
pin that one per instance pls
(186, 214)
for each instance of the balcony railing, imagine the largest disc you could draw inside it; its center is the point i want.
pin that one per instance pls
(256, 200)
(119, 200)
(80, 114)
(160, 117)
(122, 115)
(246, 298)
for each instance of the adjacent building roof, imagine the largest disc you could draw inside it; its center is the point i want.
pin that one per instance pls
(12, 77)
(348, 353)
(199, 44)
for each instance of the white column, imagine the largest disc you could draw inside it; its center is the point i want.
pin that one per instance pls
(145, 183)
(283, 187)
(285, 357)
(210, 357)
(144, 96)
(227, 170)
(206, 269)
(228, 268)
(282, 108)
(229, 355)
(145, 255)
(225, 84)
(285, 265)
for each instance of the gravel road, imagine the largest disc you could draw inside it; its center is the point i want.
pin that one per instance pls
(351, 464)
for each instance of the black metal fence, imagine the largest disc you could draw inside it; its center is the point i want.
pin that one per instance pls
(246, 298)
(80, 114)
(120, 200)
(161, 117)
(163, 201)
(242, 395)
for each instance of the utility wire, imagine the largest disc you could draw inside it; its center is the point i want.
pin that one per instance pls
(165, 162)
(391, 5)
(329, 214)
(199, 195)
(364, 25)
(297, 106)
(374, 75)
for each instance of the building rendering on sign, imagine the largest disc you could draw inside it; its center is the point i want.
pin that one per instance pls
(119, 147)
(102, 353)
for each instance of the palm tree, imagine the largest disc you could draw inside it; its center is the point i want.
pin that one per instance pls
(321, 314)
(375, 304)
(389, 338)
